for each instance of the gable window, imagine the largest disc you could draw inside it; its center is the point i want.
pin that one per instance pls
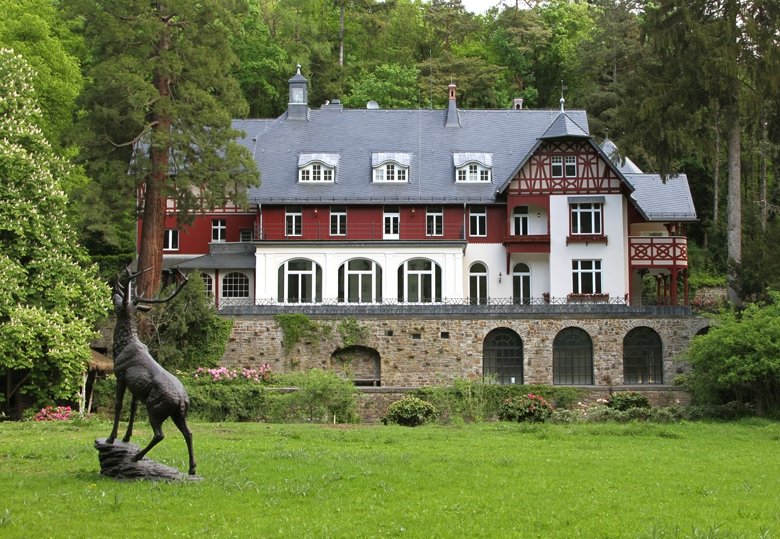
(473, 173)
(419, 281)
(171, 240)
(473, 167)
(300, 281)
(317, 167)
(389, 167)
(392, 223)
(478, 284)
(586, 218)
(520, 220)
(434, 221)
(557, 166)
(521, 284)
(478, 221)
(338, 221)
(360, 281)
(586, 276)
(571, 166)
(293, 220)
(218, 230)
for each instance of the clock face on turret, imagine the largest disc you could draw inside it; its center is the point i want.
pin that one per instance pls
(296, 95)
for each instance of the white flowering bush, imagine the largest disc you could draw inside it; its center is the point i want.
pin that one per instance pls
(50, 296)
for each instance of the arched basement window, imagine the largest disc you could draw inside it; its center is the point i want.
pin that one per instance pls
(572, 357)
(502, 357)
(642, 357)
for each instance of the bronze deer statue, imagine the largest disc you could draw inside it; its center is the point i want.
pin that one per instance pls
(135, 369)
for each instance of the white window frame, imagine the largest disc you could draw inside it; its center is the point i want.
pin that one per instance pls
(348, 275)
(478, 221)
(478, 284)
(293, 221)
(556, 166)
(570, 166)
(235, 285)
(591, 213)
(520, 221)
(391, 223)
(245, 235)
(218, 230)
(586, 276)
(391, 172)
(171, 239)
(338, 221)
(521, 283)
(420, 279)
(316, 173)
(313, 272)
(434, 221)
(208, 283)
(473, 173)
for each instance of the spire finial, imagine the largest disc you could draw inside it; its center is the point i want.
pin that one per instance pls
(298, 68)
(563, 100)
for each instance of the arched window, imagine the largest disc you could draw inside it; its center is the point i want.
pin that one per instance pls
(419, 281)
(502, 356)
(300, 281)
(360, 281)
(235, 285)
(208, 283)
(572, 358)
(642, 358)
(521, 284)
(478, 289)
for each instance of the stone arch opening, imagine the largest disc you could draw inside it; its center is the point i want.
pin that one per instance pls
(642, 357)
(502, 356)
(361, 364)
(572, 357)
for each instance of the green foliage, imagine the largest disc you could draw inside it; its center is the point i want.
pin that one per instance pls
(235, 401)
(352, 333)
(393, 86)
(479, 401)
(626, 400)
(410, 412)
(532, 408)
(320, 397)
(739, 358)
(296, 327)
(187, 332)
(50, 297)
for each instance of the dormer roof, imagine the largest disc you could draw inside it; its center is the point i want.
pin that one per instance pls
(564, 126)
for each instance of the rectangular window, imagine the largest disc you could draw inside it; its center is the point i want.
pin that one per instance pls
(586, 218)
(461, 174)
(218, 230)
(293, 220)
(586, 276)
(557, 166)
(245, 234)
(316, 173)
(571, 166)
(171, 240)
(478, 221)
(484, 175)
(338, 221)
(434, 221)
(305, 175)
(473, 173)
(392, 223)
(520, 221)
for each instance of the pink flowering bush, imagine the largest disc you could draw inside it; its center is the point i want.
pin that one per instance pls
(224, 374)
(54, 413)
(530, 407)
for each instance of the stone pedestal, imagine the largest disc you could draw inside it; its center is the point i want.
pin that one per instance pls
(116, 461)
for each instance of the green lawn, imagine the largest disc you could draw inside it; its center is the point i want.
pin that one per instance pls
(488, 480)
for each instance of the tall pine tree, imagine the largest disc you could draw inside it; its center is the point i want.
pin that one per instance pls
(162, 85)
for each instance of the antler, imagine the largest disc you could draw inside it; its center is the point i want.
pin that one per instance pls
(182, 281)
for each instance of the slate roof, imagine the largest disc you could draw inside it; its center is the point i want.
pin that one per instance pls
(623, 164)
(564, 127)
(356, 135)
(660, 200)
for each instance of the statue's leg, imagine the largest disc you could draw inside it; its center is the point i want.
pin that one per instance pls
(156, 439)
(181, 424)
(120, 395)
(133, 406)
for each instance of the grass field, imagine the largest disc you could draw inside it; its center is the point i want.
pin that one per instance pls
(486, 480)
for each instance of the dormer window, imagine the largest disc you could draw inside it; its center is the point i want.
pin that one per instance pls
(473, 167)
(391, 167)
(317, 168)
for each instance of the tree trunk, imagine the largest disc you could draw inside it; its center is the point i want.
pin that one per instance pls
(734, 231)
(763, 188)
(155, 196)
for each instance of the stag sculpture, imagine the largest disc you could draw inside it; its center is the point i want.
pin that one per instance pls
(162, 393)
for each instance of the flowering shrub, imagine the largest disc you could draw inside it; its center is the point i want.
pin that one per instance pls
(528, 407)
(223, 374)
(54, 413)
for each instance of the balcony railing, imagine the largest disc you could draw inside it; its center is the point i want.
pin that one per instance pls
(658, 251)
(322, 230)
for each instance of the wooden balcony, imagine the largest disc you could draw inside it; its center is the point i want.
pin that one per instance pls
(529, 243)
(658, 252)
